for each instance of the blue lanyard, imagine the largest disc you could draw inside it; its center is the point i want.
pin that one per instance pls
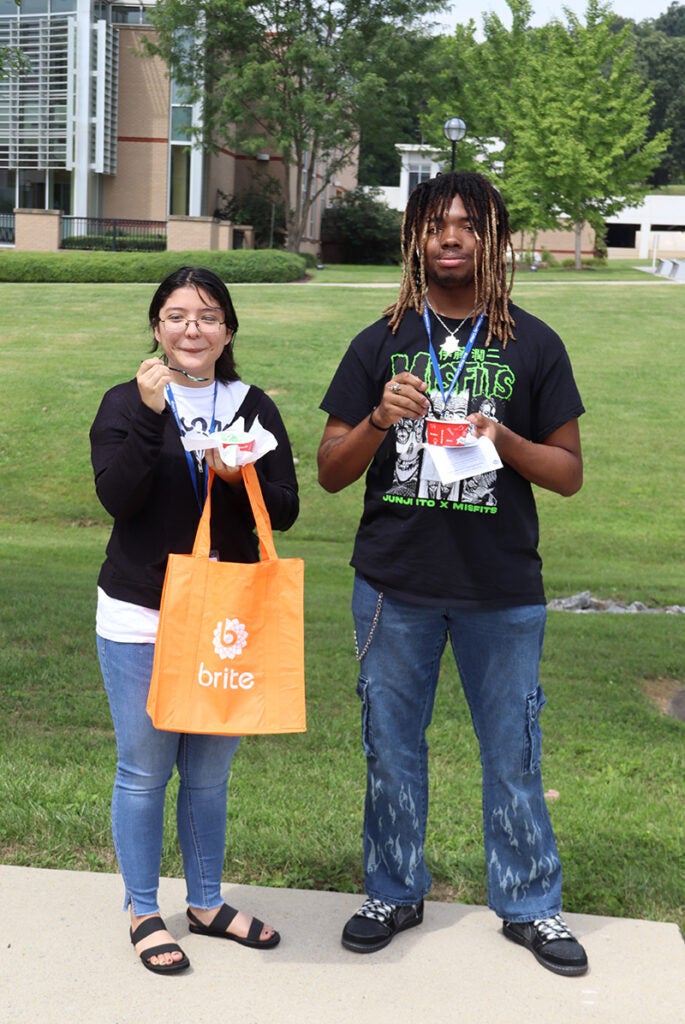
(189, 457)
(434, 359)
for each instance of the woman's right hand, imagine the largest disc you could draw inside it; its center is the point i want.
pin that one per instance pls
(152, 377)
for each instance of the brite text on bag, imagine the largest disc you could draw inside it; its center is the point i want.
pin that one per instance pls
(225, 679)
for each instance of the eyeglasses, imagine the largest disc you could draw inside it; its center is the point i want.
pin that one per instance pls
(207, 324)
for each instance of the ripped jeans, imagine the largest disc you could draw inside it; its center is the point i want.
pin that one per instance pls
(497, 655)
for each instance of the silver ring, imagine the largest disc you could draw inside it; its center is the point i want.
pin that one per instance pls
(394, 387)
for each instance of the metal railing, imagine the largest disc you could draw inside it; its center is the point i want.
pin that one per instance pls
(6, 229)
(113, 234)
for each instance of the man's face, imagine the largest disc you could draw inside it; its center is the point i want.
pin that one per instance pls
(451, 247)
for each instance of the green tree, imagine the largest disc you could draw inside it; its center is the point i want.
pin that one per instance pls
(407, 82)
(360, 228)
(455, 94)
(487, 83)
(583, 134)
(660, 59)
(295, 75)
(672, 21)
(569, 111)
(261, 206)
(12, 60)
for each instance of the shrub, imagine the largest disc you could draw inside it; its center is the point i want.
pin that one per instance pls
(265, 214)
(237, 266)
(586, 263)
(360, 228)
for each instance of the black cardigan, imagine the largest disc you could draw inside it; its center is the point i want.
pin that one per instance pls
(142, 479)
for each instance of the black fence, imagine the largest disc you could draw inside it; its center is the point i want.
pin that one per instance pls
(114, 235)
(7, 228)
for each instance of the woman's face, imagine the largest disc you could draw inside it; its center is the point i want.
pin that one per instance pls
(195, 345)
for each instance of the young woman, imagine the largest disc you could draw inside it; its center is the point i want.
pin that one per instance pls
(155, 490)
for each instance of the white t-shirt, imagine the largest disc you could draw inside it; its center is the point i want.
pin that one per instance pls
(125, 622)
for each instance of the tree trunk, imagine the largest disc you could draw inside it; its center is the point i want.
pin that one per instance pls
(578, 228)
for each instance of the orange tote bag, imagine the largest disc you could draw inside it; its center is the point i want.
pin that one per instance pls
(229, 656)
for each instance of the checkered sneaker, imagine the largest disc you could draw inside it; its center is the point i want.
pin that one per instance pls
(551, 928)
(376, 910)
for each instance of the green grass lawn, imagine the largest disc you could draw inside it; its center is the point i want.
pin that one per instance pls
(295, 810)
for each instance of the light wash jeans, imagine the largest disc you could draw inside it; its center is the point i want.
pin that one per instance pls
(145, 761)
(497, 654)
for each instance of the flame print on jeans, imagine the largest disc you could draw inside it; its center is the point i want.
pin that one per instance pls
(400, 860)
(230, 637)
(538, 870)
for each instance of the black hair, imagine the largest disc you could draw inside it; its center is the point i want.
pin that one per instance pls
(490, 221)
(207, 281)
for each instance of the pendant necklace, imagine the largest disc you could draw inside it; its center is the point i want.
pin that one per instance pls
(451, 342)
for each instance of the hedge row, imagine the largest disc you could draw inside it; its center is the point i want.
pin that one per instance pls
(239, 266)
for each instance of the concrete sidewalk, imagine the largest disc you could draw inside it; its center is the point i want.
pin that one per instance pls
(65, 957)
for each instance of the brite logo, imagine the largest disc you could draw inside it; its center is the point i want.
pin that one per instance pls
(225, 679)
(230, 637)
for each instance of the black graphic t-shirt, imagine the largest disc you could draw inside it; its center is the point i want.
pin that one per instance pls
(472, 543)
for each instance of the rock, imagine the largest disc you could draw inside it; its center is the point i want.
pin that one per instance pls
(585, 602)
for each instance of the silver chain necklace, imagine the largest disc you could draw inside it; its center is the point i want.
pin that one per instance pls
(451, 342)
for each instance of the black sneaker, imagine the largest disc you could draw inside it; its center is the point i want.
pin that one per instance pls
(375, 924)
(551, 943)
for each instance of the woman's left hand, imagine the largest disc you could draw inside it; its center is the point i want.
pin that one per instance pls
(231, 474)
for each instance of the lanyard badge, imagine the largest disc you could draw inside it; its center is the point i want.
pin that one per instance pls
(446, 392)
(189, 458)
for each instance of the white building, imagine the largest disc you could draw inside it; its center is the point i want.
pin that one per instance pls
(655, 228)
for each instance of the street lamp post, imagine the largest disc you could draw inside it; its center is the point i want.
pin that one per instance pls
(454, 130)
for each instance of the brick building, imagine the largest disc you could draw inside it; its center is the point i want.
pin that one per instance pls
(96, 128)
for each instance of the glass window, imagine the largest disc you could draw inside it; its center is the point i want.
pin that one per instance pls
(124, 15)
(60, 191)
(63, 6)
(417, 174)
(4, 110)
(179, 181)
(181, 123)
(130, 14)
(30, 123)
(8, 7)
(32, 190)
(7, 191)
(179, 94)
(34, 6)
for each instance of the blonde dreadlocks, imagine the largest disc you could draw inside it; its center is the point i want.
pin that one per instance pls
(490, 221)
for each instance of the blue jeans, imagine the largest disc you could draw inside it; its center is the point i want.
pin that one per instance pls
(497, 654)
(145, 760)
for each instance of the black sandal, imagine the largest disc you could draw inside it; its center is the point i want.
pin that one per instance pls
(221, 922)
(148, 927)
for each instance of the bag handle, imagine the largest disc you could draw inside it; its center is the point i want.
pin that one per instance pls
(267, 549)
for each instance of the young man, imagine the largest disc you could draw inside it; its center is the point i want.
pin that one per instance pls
(437, 559)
